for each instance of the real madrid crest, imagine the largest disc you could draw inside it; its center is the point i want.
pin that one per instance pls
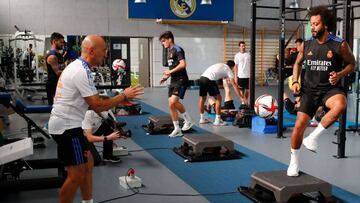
(183, 8)
(329, 54)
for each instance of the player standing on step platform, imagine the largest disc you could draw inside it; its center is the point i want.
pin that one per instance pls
(208, 84)
(327, 59)
(178, 84)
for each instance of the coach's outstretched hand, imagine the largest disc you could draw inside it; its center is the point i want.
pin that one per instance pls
(133, 92)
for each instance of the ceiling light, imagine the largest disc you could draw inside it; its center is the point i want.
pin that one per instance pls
(294, 4)
(205, 2)
(140, 1)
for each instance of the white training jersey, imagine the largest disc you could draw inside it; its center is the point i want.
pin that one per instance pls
(242, 60)
(75, 83)
(218, 71)
(93, 121)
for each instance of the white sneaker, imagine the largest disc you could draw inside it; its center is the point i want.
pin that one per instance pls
(313, 123)
(310, 143)
(176, 133)
(219, 123)
(293, 169)
(204, 121)
(187, 125)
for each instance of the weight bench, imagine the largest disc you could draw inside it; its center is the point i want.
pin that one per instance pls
(13, 164)
(22, 109)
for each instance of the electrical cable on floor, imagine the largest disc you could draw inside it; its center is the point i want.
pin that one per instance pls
(116, 198)
(189, 195)
(137, 192)
(140, 150)
(149, 149)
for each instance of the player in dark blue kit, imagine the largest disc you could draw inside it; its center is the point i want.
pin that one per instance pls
(178, 84)
(327, 59)
(55, 64)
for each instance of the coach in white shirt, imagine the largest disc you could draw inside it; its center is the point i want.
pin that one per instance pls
(75, 93)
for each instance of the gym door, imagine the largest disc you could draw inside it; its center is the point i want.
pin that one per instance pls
(119, 48)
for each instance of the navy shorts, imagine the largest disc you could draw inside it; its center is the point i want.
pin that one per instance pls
(72, 145)
(177, 89)
(311, 100)
(290, 106)
(228, 105)
(243, 83)
(208, 86)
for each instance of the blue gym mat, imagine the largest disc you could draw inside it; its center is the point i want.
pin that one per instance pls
(289, 121)
(213, 176)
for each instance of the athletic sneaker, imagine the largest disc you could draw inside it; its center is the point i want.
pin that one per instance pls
(204, 121)
(310, 143)
(112, 159)
(293, 169)
(187, 125)
(219, 123)
(313, 123)
(176, 133)
(243, 106)
(209, 108)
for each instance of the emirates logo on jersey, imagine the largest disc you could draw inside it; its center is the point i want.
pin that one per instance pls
(310, 53)
(329, 54)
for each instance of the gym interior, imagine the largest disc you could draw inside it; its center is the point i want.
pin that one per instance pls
(244, 161)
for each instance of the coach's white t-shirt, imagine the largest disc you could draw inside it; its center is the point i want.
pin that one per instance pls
(93, 121)
(242, 60)
(218, 71)
(75, 83)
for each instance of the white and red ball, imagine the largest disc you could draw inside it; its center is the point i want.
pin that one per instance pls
(119, 65)
(266, 106)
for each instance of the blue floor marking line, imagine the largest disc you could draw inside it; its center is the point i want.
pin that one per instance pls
(209, 177)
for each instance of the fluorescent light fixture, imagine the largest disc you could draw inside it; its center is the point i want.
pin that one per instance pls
(294, 4)
(140, 1)
(205, 2)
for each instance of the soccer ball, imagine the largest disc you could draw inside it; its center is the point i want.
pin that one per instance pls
(266, 106)
(118, 65)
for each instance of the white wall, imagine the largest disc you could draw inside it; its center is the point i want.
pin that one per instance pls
(207, 52)
(134, 56)
(203, 44)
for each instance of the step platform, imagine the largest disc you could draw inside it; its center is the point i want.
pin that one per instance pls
(206, 147)
(158, 125)
(276, 186)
